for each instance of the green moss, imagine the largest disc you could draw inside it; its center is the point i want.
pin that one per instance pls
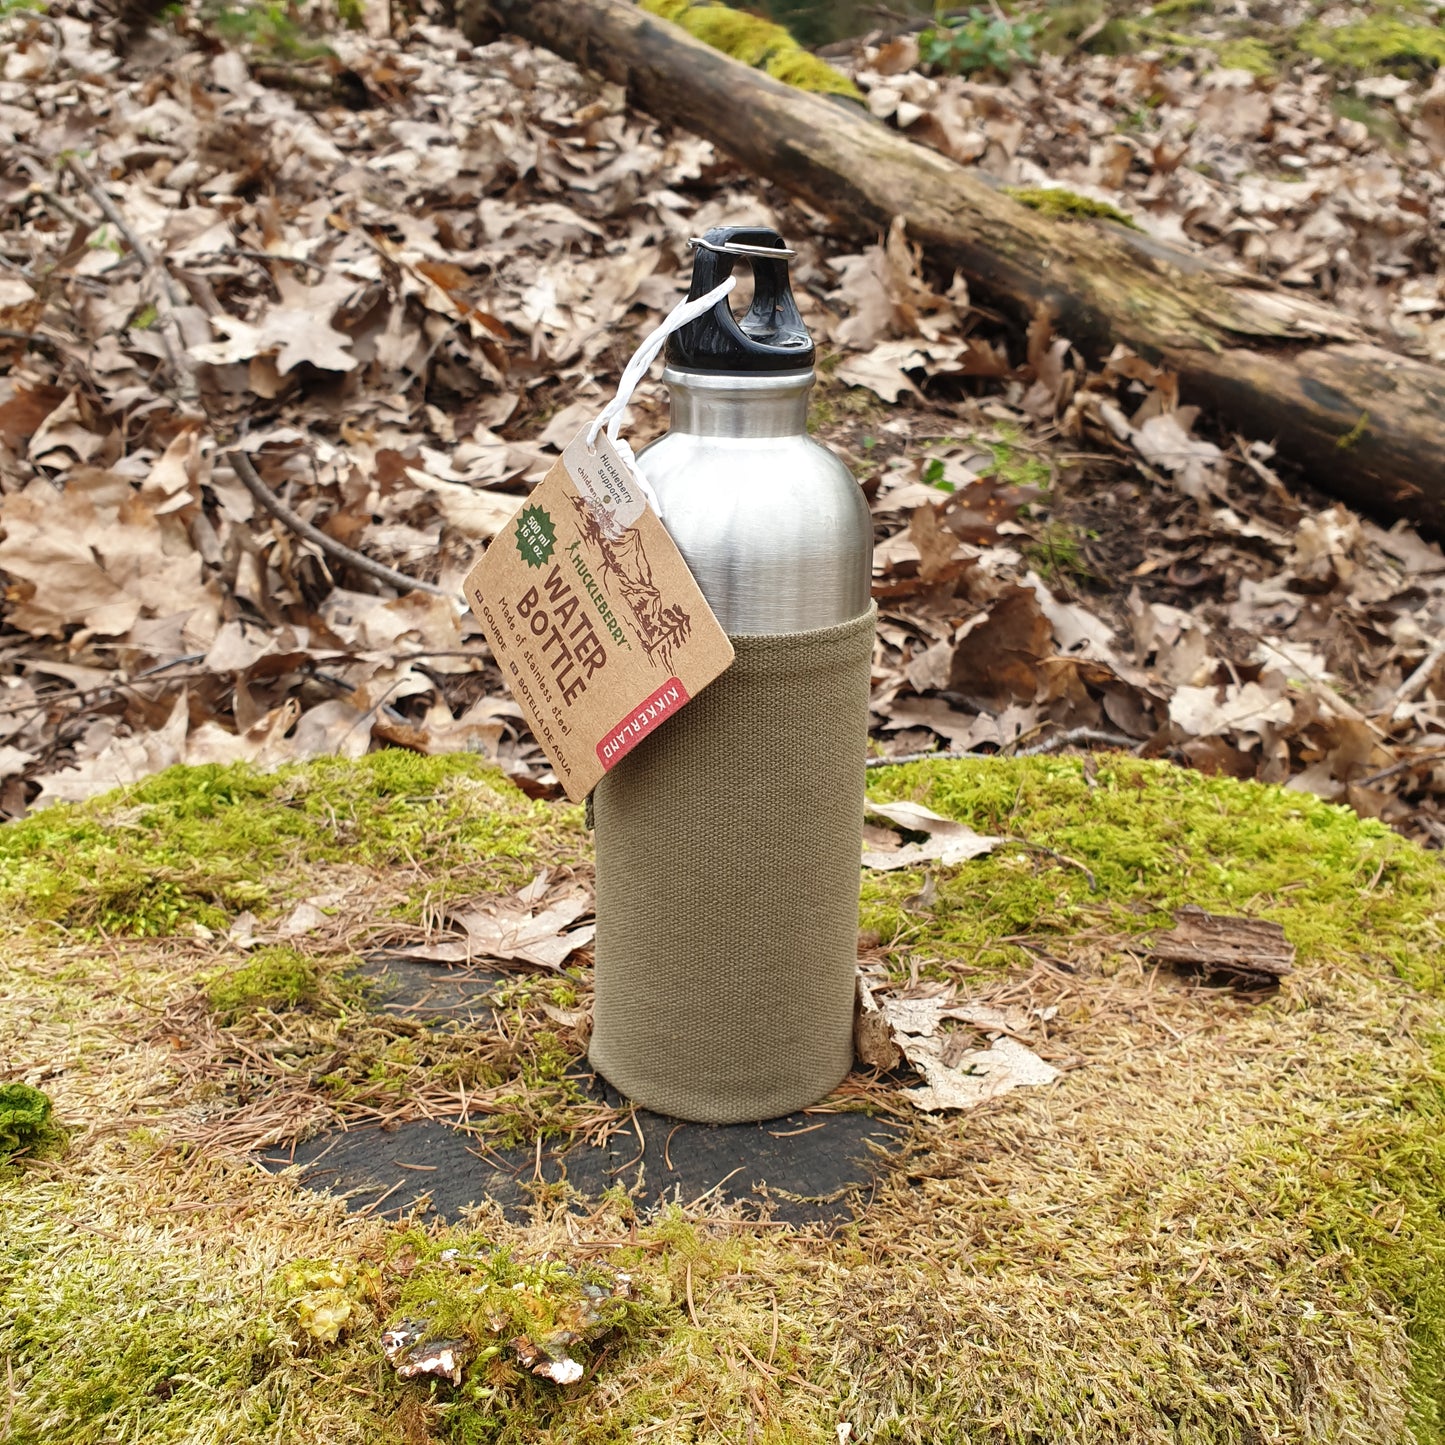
(199, 845)
(140, 1334)
(1383, 42)
(834, 403)
(1382, 122)
(26, 1124)
(1347, 890)
(1012, 462)
(1248, 53)
(1223, 1224)
(756, 42)
(1057, 552)
(805, 71)
(1107, 34)
(271, 978)
(542, 1096)
(1371, 1192)
(466, 1288)
(267, 26)
(744, 37)
(1174, 9)
(1355, 434)
(1068, 205)
(822, 413)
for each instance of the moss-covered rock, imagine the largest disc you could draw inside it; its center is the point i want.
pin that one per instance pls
(1157, 837)
(1222, 1224)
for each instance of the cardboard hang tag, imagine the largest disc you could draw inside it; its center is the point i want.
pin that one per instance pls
(599, 628)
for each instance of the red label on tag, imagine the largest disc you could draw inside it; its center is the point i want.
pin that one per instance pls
(643, 719)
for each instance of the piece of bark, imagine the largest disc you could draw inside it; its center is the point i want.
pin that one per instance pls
(872, 1034)
(1248, 948)
(1366, 423)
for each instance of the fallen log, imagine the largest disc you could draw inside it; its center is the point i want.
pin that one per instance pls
(1364, 423)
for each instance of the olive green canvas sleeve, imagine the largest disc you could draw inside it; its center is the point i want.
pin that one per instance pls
(728, 849)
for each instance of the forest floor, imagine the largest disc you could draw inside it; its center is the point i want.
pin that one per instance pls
(424, 265)
(398, 273)
(1218, 1223)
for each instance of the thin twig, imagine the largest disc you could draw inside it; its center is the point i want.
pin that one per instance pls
(33, 338)
(1404, 765)
(1095, 737)
(1058, 857)
(90, 694)
(948, 755)
(1054, 744)
(60, 206)
(239, 461)
(39, 17)
(171, 295)
(251, 480)
(716, 1187)
(316, 266)
(1417, 680)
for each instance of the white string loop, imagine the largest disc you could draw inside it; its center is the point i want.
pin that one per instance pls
(611, 415)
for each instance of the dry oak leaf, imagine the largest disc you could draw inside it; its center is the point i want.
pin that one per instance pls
(883, 371)
(93, 554)
(1248, 708)
(293, 336)
(297, 330)
(997, 657)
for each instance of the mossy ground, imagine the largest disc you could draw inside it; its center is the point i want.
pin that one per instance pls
(1223, 1224)
(196, 846)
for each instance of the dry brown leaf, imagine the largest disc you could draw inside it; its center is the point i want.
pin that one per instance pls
(122, 761)
(1245, 709)
(948, 842)
(517, 929)
(978, 1075)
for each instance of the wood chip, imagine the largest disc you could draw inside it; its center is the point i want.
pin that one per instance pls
(1248, 948)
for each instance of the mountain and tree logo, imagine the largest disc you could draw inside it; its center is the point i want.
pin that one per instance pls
(660, 626)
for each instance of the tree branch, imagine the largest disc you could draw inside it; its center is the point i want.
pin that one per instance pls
(253, 483)
(173, 299)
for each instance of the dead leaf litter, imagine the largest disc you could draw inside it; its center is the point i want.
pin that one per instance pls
(397, 310)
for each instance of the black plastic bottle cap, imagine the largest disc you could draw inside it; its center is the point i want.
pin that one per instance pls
(771, 337)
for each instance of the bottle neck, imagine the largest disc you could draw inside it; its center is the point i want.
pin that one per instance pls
(708, 405)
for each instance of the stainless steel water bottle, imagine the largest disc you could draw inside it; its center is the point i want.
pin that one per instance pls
(728, 841)
(773, 525)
